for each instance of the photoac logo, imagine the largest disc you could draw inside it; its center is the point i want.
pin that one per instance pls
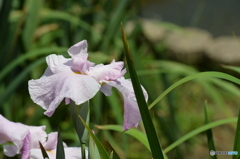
(212, 153)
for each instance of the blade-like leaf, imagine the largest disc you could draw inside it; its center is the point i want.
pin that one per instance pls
(195, 76)
(234, 68)
(44, 153)
(197, 131)
(47, 14)
(112, 27)
(28, 55)
(93, 150)
(137, 134)
(237, 139)
(147, 121)
(209, 133)
(102, 151)
(31, 23)
(18, 79)
(60, 149)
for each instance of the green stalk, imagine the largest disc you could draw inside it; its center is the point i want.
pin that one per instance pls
(82, 110)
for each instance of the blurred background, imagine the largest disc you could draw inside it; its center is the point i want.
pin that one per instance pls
(169, 40)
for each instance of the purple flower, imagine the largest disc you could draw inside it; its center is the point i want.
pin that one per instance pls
(26, 139)
(79, 80)
(22, 136)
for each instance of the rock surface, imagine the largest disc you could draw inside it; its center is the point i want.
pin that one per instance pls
(188, 45)
(225, 50)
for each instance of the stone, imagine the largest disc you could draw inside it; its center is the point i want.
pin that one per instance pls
(188, 45)
(225, 50)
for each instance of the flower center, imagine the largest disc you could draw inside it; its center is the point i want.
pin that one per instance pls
(79, 73)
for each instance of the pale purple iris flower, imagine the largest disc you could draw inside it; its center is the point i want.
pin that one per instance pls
(25, 141)
(22, 136)
(78, 79)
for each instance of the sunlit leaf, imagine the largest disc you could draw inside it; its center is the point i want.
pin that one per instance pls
(197, 131)
(102, 151)
(195, 76)
(137, 134)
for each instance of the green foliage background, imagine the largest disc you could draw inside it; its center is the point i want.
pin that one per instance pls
(32, 29)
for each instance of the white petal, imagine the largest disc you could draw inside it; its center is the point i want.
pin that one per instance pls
(37, 154)
(58, 63)
(70, 153)
(74, 152)
(80, 47)
(108, 72)
(131, 111)
(8, 131)
(51, 142)
(81, 88)
(48, 92)
(106, 89)
(37, 134)
(81, 64)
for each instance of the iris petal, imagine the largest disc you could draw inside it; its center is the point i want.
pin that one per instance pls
(8, 131)
(109, 72)
(131, 111)
(48, 92)
(78, 48)
(58, 63)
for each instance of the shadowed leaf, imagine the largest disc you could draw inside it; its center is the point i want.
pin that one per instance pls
(44, 153)
(147, 121)
(237, 139)
(209, 132)
(60, 149)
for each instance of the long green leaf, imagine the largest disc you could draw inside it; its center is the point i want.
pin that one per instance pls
(93, 150)
(137, 134)
(17, 81)
(47, 14)
(234, 68)
(102, 151)
(32, 21)
(147, 121)
(112, 27)
(60, 149)
(197, 131)
(195, 76)
(83, 111)
(29, 55)
(209, 133)
(237, 139)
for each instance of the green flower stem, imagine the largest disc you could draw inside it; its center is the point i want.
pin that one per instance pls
(83, 111)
